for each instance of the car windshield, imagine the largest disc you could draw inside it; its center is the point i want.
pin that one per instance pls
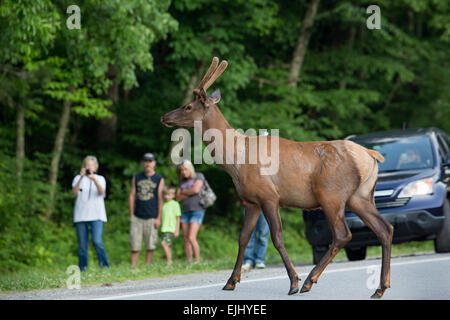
(401, 153)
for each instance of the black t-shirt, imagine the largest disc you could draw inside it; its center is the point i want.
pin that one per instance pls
(146, 202)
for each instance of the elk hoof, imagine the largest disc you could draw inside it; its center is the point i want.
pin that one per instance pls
(293, 290)
(306, 288)
(378, 294)
(229, 286)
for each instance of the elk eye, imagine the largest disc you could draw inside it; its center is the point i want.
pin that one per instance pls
(188, 108)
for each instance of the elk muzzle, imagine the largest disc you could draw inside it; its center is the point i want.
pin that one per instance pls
(173, 118)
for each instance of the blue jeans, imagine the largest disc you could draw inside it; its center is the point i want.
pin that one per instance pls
(257, 246)
(83, 242)
(192, 216)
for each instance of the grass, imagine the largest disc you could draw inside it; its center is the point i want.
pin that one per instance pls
(218, 241)
(54, 277)
(50, 278)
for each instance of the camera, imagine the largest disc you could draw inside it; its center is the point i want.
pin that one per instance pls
(88, 172)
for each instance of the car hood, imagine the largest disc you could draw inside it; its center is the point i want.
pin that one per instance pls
(398, 179)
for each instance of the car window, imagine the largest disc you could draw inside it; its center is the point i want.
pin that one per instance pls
(446, 142)
(405, 153)
(443, 147)
(447, 139)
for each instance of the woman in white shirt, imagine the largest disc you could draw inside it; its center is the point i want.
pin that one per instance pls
(89, 211)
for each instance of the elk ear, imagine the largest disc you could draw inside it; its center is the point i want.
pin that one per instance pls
(215, 96)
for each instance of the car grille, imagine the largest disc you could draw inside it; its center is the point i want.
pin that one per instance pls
(399, 202)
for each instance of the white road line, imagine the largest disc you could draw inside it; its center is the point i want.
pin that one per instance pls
(264, 279)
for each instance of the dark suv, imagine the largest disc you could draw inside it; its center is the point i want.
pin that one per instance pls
(412, 193)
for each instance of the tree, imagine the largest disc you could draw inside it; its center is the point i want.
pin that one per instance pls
(302, 42)
(27, 31)
(120, 40)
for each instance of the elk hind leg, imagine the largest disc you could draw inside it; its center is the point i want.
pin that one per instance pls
(366, 210)
(341, 236)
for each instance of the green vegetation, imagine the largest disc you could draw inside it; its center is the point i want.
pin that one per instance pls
(102, 89)
(215, 255)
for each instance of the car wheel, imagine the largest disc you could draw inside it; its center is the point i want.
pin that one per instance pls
(442, 241)
(318, 253)
(355, 254)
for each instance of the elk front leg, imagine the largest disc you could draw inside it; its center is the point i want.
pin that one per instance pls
(273, 219)
(251, 217)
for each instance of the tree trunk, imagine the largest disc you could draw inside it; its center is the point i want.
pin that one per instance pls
(75, 131)
(57, 151)
(395, 87)
(20, 142)
(302, 43)
(195, 80)
(351, 40)
(411, 21)
(108, 126)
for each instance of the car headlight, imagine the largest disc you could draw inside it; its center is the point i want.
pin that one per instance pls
(417, 188)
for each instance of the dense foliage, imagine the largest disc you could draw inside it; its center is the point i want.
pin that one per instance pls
(134, 60)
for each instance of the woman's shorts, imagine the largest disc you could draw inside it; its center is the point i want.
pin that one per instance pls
(192, 216)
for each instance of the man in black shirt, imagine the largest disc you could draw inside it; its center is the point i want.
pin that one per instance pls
(145, 203)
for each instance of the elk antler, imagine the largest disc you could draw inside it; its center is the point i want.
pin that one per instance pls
(212, 74)
(208, 73)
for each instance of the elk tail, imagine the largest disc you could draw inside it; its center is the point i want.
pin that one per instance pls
(375, 155)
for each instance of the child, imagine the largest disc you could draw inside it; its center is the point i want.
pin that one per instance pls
(170, 221)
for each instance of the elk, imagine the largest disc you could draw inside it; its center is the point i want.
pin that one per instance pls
(322, 174)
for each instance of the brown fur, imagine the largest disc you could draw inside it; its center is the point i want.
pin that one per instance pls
(325, 174)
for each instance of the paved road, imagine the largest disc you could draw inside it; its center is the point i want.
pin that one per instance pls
(414, 277)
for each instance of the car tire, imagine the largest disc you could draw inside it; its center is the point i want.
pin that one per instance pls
(318, 253)
(356, 254)
(442, 241)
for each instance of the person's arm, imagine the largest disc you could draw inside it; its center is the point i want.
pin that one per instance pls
(198, 184)
(179, 196)
(177, 230)
(76, 188)
(160, 203)
(100, 189)
(132, 197)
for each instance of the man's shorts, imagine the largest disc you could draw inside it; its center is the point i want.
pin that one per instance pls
(192, 216)
(167, 238)
(143, 229)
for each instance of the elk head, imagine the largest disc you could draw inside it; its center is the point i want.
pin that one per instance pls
(198, 108)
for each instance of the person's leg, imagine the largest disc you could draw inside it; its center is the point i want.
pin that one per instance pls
(263, 230)
(136, 231)
(149, 256)
(97, 232)
(165, 244)
(134, 258)
(196, 222)
(83, 242)
(150, 239)
(167, 252)
(187, 243)
(193, 230)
